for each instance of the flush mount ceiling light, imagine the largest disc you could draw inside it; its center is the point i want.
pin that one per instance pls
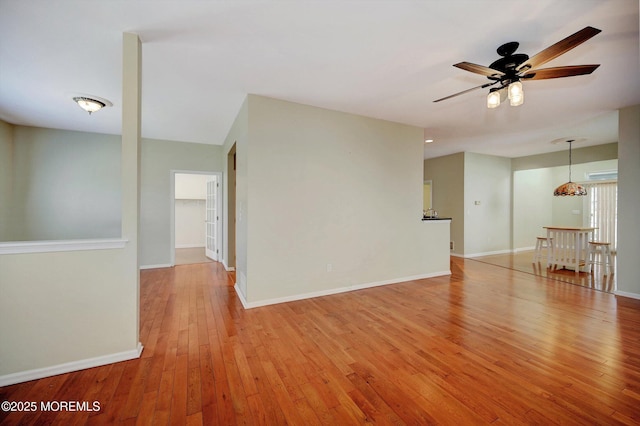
(570, 188)
(91, 104)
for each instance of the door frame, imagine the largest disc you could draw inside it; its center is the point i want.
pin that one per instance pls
(172, 210)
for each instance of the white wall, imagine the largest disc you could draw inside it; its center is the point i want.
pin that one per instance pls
(190, 186)
(190, 210)
(333, 201)
(190, 223)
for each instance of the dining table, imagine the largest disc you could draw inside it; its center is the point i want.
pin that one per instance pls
(569, 246)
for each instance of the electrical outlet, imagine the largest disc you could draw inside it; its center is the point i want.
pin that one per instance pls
(329, 267)
(450, 245)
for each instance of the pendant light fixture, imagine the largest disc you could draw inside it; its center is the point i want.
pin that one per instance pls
(570, 188)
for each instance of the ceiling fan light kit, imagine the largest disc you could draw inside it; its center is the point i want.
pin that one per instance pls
(511, 68)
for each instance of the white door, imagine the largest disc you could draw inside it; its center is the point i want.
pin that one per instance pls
(211, 218)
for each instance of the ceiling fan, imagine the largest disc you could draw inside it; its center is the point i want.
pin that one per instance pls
(506, 72)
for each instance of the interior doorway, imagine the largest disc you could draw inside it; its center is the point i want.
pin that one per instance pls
(231, 210)
(196, 221)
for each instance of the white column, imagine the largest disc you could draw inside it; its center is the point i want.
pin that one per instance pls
(131, 119)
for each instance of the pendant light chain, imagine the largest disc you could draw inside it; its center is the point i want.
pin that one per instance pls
(570, 160)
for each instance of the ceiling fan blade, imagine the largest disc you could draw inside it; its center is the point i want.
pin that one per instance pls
(479, 69)
(559, 48)
(466, 91)
(558, 72)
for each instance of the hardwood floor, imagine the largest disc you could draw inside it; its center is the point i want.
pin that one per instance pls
(187, 256)
(601, 278)
(485, 345)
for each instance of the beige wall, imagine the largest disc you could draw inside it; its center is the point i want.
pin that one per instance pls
(6, 178)
(64, 307)
(229, 203)
(426, 197)
(159, 158)
(532, 205)
(332, 201)
(66, 185)
(487, 204)
(235, 197)
(447, 176)
(503, 221)
(570, 211)
(629, 202)
(561, 158)
(68, 310)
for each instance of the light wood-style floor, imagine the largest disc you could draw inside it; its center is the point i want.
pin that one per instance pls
(600, 278)
(487, 345)
(188, 256)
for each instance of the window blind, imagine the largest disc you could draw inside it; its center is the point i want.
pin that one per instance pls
(602, 207)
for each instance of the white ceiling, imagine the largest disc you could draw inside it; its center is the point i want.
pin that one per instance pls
(387, 59)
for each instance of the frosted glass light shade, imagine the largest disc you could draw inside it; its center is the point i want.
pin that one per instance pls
(515, 90)
(89, 104)
(517, 100)
(493, 99)
(516, 94)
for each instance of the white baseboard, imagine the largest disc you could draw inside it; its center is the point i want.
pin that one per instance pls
(226, 267)
(244, 302)
(518, 250)
(179, 246)
(162, 265)
(39, 373)
(488, 253)
(20, 247)
(248, 305)
(626, 294)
